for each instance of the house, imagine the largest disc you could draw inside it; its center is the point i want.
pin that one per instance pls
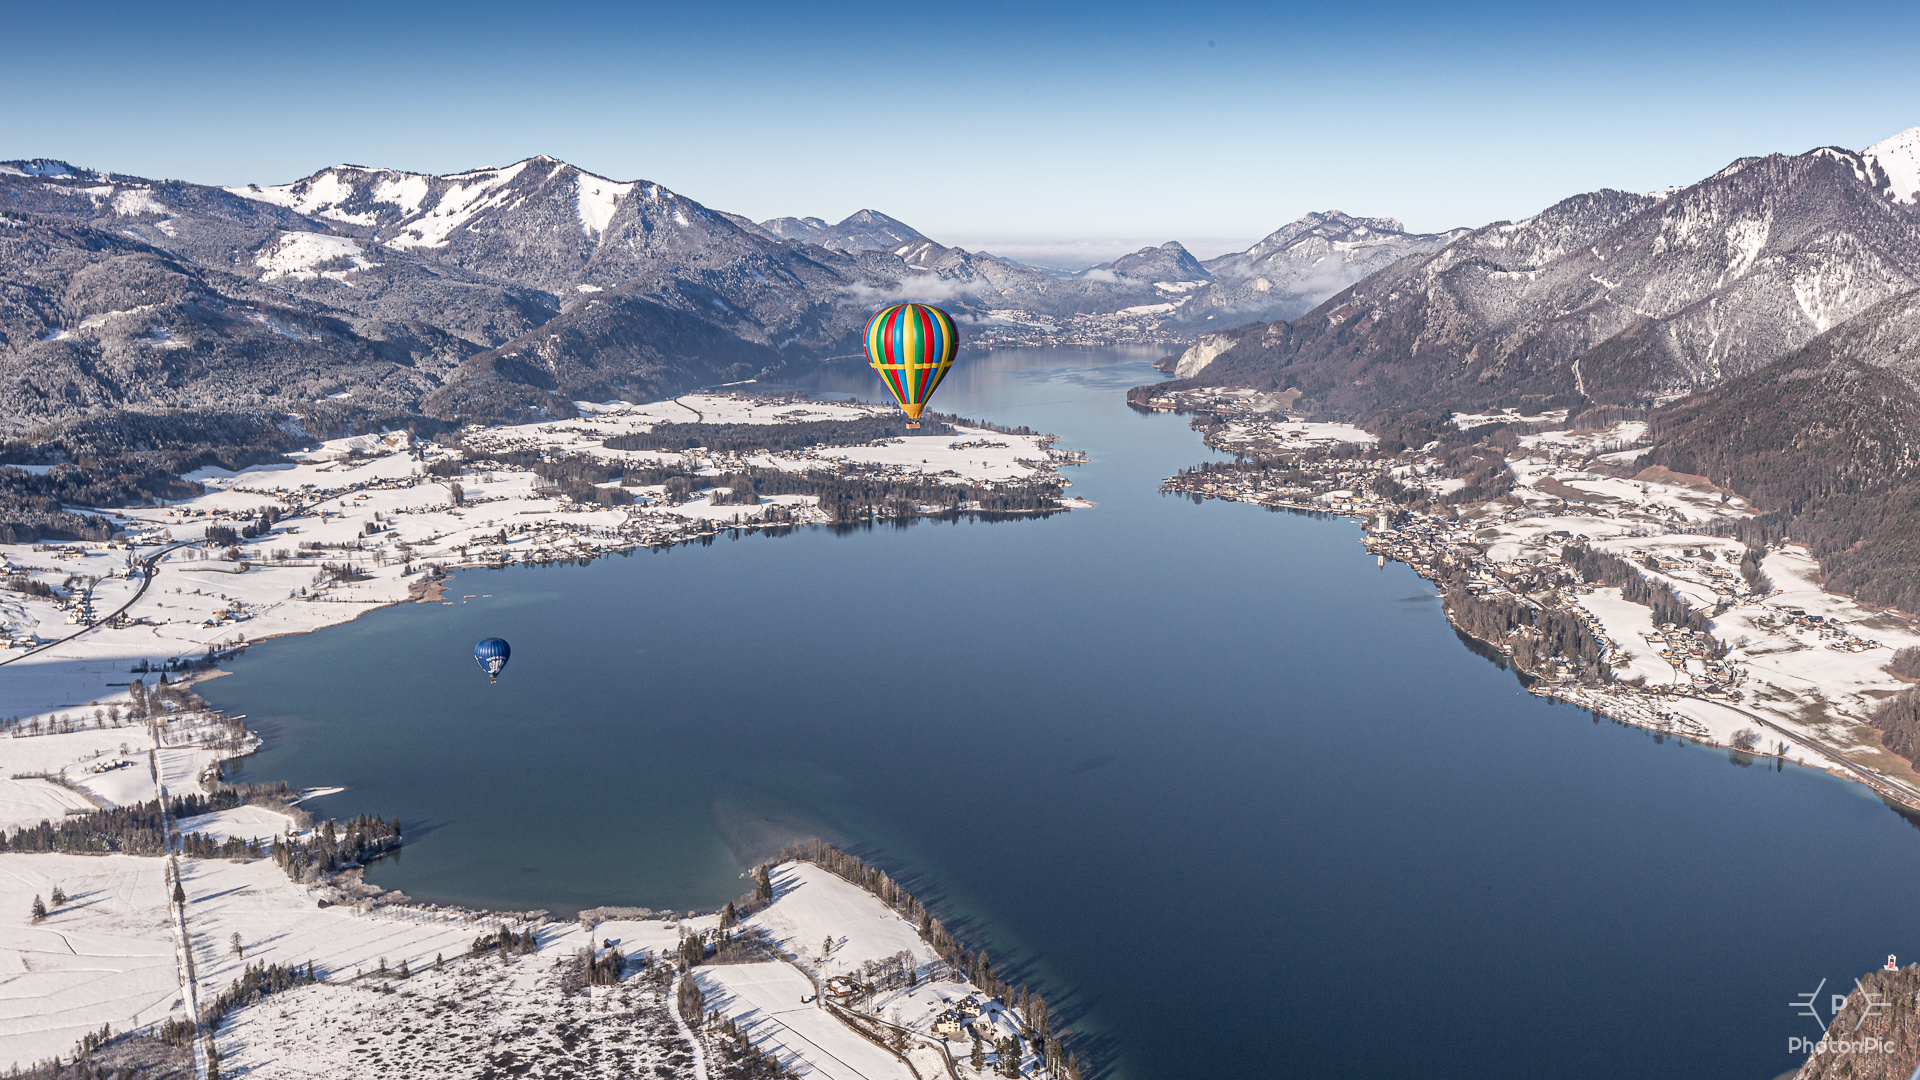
(967, 1006)
(841, 987)
(950, 1026)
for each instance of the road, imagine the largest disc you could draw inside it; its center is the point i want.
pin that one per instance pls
(150, 569)
(1873, 778)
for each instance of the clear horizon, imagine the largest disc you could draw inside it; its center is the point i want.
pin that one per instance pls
(1060, 136)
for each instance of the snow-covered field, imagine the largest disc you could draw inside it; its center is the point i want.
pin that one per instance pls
(467, 1018)
(813, 908)
(280, 922)
(460, 1015)
(44, 776)
(106, 956)
(769, 1001)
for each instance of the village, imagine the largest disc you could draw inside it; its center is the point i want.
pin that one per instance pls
(1772, 666)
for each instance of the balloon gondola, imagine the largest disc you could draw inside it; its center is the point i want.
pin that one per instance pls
(491, 655)
(911, 347)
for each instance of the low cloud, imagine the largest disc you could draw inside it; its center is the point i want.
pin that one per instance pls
(930, 289)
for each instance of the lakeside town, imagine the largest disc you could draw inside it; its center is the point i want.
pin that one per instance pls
(1606, 584)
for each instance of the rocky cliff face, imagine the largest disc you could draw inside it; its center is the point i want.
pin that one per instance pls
(1875, 1035)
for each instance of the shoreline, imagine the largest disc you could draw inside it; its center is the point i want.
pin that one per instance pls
(1491, 552)
(361, 495)
(362, 516)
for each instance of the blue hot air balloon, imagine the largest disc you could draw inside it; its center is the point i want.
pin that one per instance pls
(491, 655)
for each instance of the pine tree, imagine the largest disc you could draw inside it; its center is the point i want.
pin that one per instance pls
(179, 894)
(1073, 1067)
(59, 896)
(979, 1054)
(39, 909)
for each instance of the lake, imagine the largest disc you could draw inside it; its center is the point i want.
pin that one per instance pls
(1238, 800)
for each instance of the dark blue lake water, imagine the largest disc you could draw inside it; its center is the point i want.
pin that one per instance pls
(1239, 800)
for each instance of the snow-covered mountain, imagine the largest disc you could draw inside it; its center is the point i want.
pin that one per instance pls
(1611, 297)
(862, 230)
(1894, 166)
(1170, 263)
(1299, 265)
(539, 222)
(489, 293)
(1822, 439)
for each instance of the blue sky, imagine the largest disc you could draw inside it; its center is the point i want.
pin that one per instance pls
(1022, 127)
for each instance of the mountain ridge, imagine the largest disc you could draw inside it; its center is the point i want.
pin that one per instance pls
(1606, 298)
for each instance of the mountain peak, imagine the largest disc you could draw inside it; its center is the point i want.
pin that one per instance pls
(1169, 262)
(862, 230)
(1895, 163)
(42, 167)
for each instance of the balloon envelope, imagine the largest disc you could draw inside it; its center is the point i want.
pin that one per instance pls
(910, 347)
(491, 655)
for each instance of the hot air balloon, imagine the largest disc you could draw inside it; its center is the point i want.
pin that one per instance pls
(491, 655)
(911, 346)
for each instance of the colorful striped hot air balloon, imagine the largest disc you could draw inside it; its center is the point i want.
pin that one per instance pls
(911, 346)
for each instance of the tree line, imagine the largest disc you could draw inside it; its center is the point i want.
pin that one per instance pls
(1545, 633)
(1601, 567)
(332, 847)
(1898, 719)
(505, 943)
(771, 438)
(141, 829)
(739, 1059)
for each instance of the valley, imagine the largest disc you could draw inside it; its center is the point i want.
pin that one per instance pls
(1651, 451)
